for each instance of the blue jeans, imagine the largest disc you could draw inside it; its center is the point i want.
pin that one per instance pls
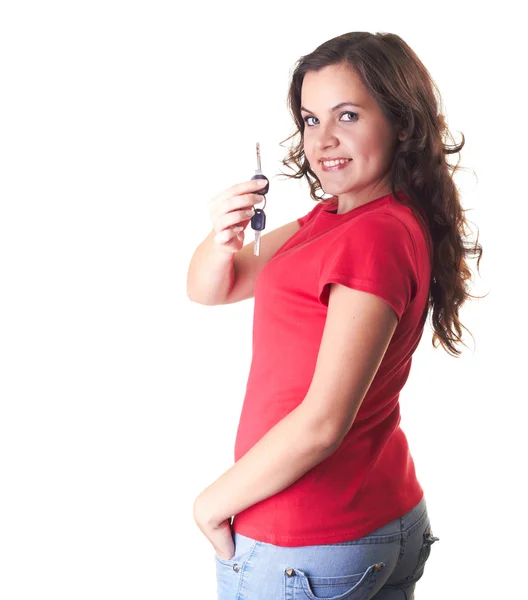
(385, 565)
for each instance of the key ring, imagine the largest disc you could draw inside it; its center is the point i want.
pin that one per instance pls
(261, 208)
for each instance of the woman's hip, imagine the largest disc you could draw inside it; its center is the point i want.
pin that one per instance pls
(352, 570)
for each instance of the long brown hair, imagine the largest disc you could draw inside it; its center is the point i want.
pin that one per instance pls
(409, 98)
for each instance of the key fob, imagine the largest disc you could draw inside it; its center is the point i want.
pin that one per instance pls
(258, 220)
(265, 190)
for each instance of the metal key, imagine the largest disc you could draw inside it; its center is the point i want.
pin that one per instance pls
(258, 220)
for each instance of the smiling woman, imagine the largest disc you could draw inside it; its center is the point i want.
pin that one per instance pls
(324, 492)
(365, 137)
(396, 143)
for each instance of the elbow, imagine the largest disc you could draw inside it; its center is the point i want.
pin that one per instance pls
(198, 300)
(324, 433)
(335, 432)
(191, 297)
(201, 302)
(330, 439)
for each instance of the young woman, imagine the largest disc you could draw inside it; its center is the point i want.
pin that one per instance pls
(323, 493)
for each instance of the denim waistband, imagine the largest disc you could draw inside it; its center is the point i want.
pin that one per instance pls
(408, 522)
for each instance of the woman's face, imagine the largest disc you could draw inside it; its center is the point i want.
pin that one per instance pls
(358, 132)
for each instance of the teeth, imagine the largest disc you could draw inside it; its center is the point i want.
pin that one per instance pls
(332, 163)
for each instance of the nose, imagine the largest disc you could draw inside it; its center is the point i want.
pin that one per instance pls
(325, 137)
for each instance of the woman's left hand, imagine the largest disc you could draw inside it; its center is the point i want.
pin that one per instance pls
(218, 532)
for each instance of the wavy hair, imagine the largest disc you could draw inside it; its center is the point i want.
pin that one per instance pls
(409, 98)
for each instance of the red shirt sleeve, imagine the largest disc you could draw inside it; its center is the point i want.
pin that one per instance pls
(375, 253)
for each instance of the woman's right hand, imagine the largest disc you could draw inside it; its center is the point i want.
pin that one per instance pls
(231, 211)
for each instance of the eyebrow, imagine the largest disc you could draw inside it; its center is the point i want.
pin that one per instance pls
(341, 104)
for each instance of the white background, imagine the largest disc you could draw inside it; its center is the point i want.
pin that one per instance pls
(120, 397)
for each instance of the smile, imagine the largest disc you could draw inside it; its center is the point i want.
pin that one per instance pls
(335, 165)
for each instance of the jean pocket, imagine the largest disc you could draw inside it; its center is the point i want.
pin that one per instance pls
(299, 585)
(242, 553)
(428, 539)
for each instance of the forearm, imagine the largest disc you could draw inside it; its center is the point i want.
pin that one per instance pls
(283, 455)
(211, 275)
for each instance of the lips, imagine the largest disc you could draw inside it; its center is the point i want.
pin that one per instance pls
(337, 167)
(327, 158)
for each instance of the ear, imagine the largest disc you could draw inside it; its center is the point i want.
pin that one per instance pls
(402, 135)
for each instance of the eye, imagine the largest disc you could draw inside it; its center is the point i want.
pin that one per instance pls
(348, 112)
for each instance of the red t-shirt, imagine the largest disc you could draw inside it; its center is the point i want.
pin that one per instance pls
(382, 248)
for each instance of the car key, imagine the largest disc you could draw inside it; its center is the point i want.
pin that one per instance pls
(258, 220)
